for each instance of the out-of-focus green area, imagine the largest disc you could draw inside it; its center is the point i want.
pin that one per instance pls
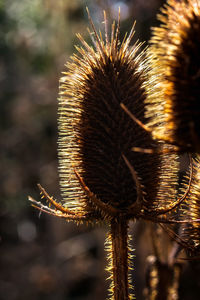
(42, 257)
(36, 38)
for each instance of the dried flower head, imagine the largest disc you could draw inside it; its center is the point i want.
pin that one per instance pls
(101, 178)
(95, 133)
(176, 47)
(191, 209)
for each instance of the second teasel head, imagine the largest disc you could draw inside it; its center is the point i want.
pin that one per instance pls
(176, 46)
(191, 209)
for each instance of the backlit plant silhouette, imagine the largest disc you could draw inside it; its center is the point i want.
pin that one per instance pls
(105, 175)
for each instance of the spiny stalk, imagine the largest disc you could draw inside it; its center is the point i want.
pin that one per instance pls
(118, 241)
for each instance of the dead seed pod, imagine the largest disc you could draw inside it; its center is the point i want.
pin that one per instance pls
(96, 136)
(101, 178)
(175, 46)
(191, 208)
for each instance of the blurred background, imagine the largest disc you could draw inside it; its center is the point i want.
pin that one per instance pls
(42, 257)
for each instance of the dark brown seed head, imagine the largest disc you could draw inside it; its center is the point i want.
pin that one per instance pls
(191, 209)
(176, 45)
(95, 133)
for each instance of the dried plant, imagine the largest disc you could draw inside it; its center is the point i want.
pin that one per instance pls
(176, 46)
(162, 279)
(191, 231)
(105, 173)
(102, 179)
(174, 114)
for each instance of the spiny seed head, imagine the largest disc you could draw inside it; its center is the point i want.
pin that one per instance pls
(176, 46)
(95, 133)
(191, 208)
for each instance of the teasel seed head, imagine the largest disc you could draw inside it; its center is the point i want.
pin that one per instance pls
(191, 210)
(95, 134)
(175, 46)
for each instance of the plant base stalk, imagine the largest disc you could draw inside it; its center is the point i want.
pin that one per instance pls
(120, 260)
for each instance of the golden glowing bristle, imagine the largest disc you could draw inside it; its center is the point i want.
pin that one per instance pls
(175, 46)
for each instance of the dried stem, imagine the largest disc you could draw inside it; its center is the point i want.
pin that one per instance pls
(120, 260)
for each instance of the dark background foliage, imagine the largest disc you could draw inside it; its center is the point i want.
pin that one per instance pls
(42, 257)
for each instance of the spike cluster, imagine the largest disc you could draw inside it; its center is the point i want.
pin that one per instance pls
(176, 47)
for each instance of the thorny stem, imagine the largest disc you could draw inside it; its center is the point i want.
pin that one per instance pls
(120, 259)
